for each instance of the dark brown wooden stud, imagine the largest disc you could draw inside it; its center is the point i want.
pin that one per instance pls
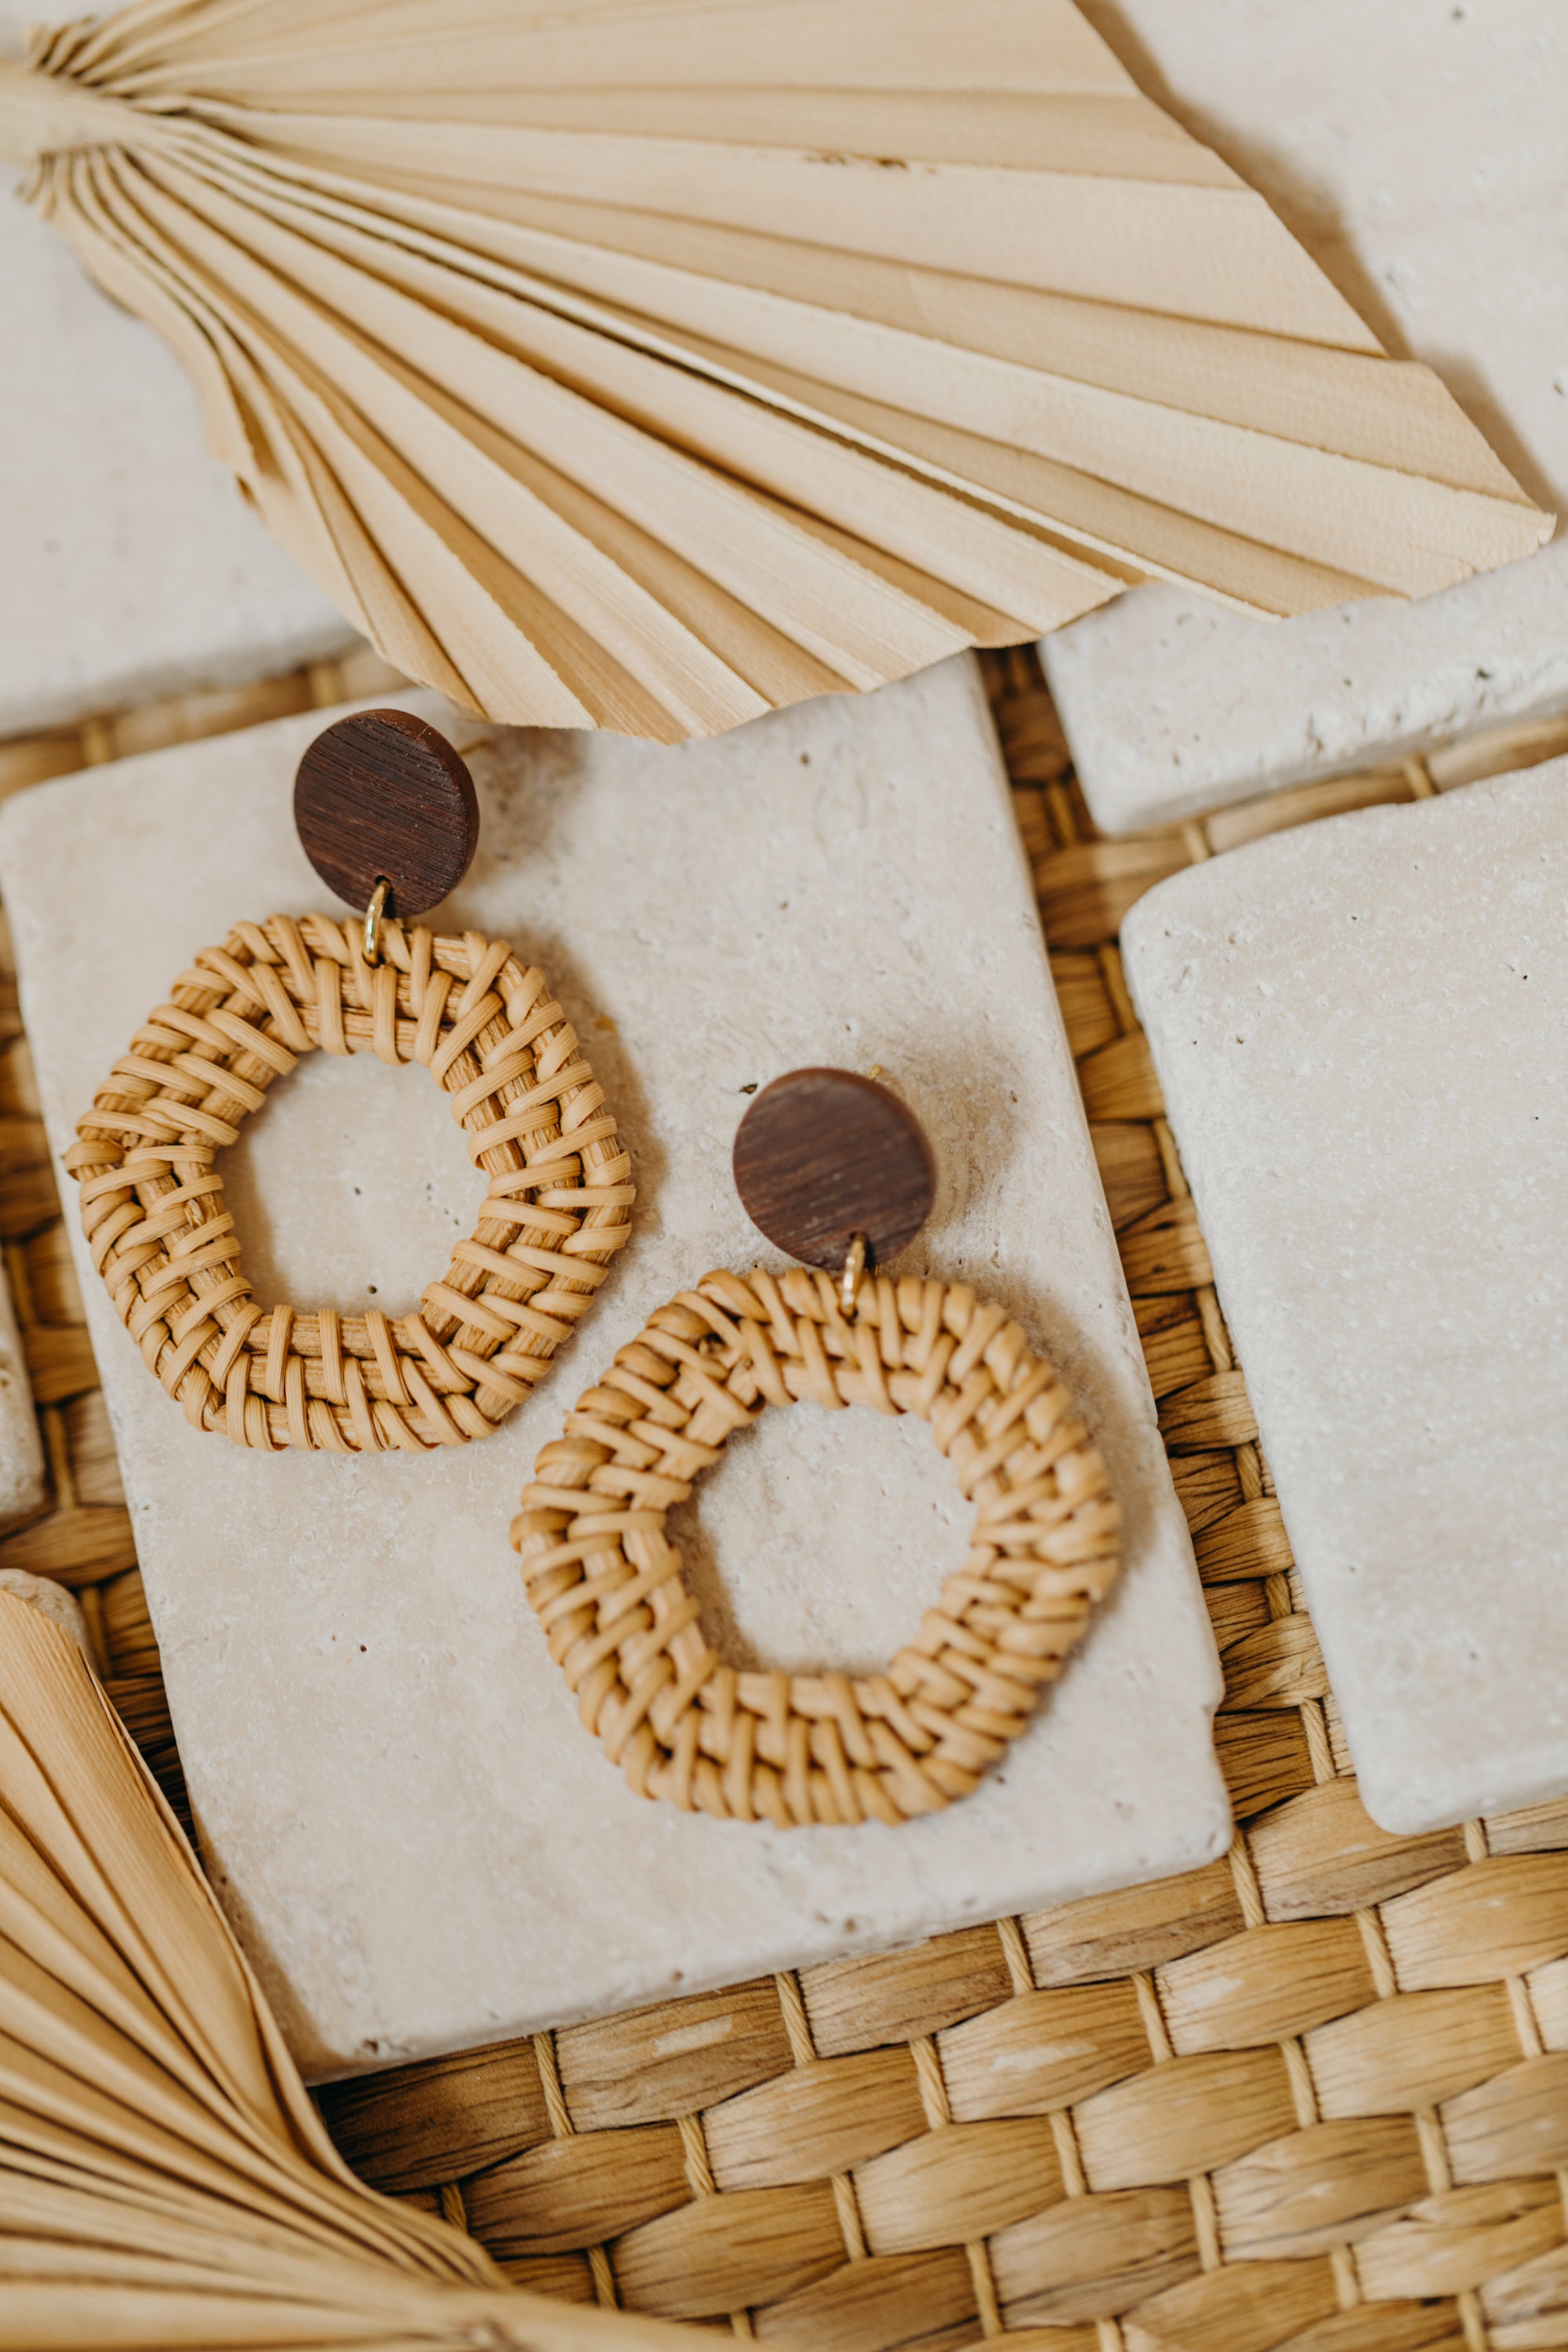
(384, 794)
(822, 1155)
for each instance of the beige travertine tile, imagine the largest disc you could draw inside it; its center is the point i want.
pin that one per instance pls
(1417, 151)
(21, 1450)
(1360, 1028)
(129, 566)
(418, 1841)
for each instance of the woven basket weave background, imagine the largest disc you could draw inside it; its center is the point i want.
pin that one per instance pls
(1313, 2095)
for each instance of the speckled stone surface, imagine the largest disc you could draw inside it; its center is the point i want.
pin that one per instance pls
(1361, 1031)
(1416, 149)
(420, 1845)
(130, 566)
(21, 1450)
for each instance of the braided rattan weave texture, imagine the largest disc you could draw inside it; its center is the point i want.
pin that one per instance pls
(797, 1750)
(152, 1198)
(1312, 2097)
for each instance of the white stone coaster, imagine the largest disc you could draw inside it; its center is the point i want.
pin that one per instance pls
(130, 566)
(1174, 705)
(420, 1845)
(1417, 150)
(22, 1485)
(1361, 1032)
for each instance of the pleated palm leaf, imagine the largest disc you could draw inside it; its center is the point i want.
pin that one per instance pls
(647, 363)
(165, 2183)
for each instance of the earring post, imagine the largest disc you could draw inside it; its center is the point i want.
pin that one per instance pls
(855, 1262)
(373, 915)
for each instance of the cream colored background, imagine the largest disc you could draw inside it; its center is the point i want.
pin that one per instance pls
(1415, 147)
(130, 567)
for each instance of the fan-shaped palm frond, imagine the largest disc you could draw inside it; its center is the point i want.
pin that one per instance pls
(165, 2183)
(647, 364)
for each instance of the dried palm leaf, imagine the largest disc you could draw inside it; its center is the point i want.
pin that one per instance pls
(647, 364)
(164, 2180)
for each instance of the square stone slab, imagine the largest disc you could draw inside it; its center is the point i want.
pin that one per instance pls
(1361, 1032)
(22, 1486)
(130, 566)
(420, 1842)
(1417, 150)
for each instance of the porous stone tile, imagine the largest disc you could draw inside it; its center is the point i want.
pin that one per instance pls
(21, 1450)
(1174, 705)
(1417, 151)
(420, 1845)
(130, 566)
(1360, 1028)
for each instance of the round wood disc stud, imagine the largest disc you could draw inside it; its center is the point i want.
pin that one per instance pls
(382, 794)
(823, 1155)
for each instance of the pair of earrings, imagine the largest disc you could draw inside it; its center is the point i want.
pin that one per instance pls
(831, 1166)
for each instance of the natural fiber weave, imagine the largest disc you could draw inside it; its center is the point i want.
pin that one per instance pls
(152, 1198)
(795, 1750)
(1309, 2097)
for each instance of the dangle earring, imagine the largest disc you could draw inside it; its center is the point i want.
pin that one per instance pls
(836, 1171)
(387, 815)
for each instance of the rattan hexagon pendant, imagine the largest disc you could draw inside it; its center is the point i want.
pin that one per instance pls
(835, 1170)
(650, 363)
(386, 813)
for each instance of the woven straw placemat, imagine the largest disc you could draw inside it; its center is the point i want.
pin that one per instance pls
(1313, 2095)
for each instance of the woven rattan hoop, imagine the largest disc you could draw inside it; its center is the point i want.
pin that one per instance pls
(152, 1206)
(606, 1581)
